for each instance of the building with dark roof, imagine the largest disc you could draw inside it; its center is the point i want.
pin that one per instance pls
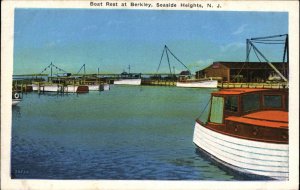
(242, 71)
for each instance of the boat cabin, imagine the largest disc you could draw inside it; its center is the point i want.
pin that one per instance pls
(260, 114)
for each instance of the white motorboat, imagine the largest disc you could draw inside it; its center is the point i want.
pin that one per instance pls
(46, 87)
(128, 81)
(209, 83)
(247, 132)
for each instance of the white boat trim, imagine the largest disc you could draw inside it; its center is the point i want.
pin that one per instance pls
(46, 88)
(70, 88)
(198, 84)
(35, 87)
(106, 87)
(128, 81)
(250, 157)
(99, 87)
(93, 87)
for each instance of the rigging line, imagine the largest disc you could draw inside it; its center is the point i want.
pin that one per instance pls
(59, 68)
(80, 68)
(256, 55)
(169, 62)
(270, 64)
(46, 68)
(178, 60)
(205, 107)
(268, 37)
(268, 42)
(285, 54)
(247, 61)
(247, 50)
(161, 58)
(285, 49)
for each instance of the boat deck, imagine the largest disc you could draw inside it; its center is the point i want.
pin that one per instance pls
(272, 119)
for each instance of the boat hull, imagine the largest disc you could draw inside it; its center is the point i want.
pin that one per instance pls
(104, 87)
(198, 84)
(60, 88)
(101, 87)
(70, 88)
(93, 87)
(35, 87)
(46, 88)
(128, 81)
(252, 158)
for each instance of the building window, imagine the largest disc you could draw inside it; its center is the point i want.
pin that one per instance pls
(273, 101)
(251, 102)
(231, 103)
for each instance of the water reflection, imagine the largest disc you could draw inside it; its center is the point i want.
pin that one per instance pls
(16, 111)
(126, 133)
(229, 171)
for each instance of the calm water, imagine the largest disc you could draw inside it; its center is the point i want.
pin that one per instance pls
(125, 133)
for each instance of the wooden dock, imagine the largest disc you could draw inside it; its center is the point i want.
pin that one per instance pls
(281, 85)
(158, 82)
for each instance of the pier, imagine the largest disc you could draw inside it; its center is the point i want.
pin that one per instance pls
(64, 84)
(280, 85)
(158, 82)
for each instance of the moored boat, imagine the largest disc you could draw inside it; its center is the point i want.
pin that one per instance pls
(94, 87)
(104, 87)
(60, 88)
(98, 87)
(208, 83)
(129, 79)
(16, 98)
(75, 89)
(247, 132)
(46, 87)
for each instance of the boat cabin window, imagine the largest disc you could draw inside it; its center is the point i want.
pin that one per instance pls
(216, 112)
(251, 102)
(273, 101)
(231, 103)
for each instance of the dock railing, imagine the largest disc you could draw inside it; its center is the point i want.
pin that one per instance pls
(279, 85)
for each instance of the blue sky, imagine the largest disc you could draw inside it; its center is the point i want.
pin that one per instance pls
(112, 39)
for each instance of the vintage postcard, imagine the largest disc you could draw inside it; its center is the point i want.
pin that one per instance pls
(149, 95)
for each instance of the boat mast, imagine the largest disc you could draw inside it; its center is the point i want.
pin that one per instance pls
(267, 40)
(168, 60)
(167, 50)
(82, 67)
(51, 65)
(286, 54)
(178, 59)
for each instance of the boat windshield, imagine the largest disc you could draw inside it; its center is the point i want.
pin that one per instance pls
(231, 103)
(216, 113)
(251, 102)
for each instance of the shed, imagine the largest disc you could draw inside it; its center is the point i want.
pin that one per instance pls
(241, 71)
